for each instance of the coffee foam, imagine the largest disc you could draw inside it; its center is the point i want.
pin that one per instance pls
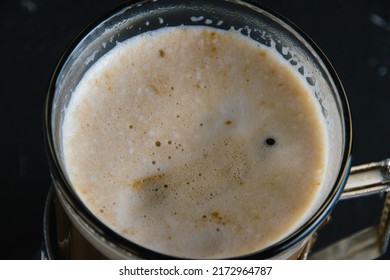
(195, 142)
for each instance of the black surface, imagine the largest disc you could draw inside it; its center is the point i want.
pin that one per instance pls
(34, 34)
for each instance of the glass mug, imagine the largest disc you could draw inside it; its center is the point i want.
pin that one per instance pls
(72, 232)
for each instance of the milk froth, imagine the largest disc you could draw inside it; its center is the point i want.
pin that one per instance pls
(195, 142)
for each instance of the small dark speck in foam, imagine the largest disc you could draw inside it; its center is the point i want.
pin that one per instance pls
(161, 53)
(270, 141)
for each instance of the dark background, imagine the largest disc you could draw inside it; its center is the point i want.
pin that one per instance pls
(34, 34)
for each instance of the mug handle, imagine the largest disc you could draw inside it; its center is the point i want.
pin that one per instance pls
(371, 242)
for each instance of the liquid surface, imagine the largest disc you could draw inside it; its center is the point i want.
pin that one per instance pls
(195, 143)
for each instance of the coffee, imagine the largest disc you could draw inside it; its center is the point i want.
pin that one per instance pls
(195, 142)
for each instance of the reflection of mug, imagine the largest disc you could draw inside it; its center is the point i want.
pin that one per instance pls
(72, 231)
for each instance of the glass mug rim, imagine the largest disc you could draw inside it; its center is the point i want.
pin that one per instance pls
(58, 175)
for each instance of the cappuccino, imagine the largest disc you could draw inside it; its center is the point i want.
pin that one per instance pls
(195, 142)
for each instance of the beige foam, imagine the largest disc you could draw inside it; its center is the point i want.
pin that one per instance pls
(165, 140)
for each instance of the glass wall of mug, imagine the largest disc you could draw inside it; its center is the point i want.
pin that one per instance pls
(258, 23)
